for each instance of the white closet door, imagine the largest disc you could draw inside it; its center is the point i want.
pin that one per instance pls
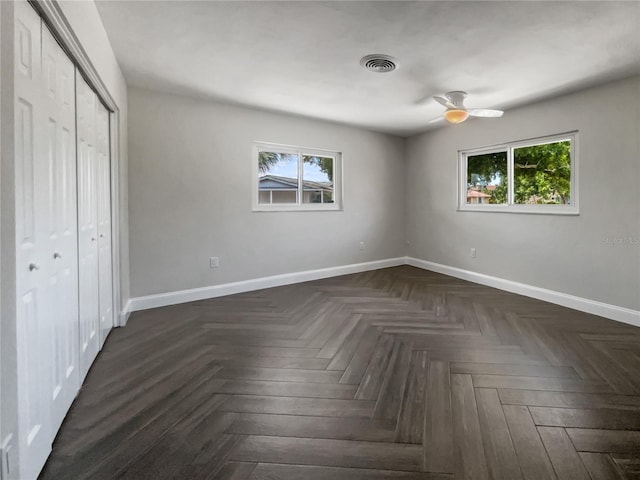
(105, 279)
(59, 108)
(86, 102)
(64, 289)
(33, 329)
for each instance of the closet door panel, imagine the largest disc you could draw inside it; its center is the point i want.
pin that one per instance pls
(105, 279)
(59, 107)
(86, 101)
(33, 330)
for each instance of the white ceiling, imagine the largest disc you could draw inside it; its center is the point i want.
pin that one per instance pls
(303, 57)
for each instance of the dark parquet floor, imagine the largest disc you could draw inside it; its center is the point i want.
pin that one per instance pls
(397, 374)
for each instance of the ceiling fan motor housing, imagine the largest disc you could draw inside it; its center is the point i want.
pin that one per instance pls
(457, 98)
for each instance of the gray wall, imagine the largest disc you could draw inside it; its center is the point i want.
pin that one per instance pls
(567, 254)
(190, 196)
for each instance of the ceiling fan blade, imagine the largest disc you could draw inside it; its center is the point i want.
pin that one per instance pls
(485, 112)
(436, 120)
(443, 101)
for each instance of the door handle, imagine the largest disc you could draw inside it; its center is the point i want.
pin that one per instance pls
(102, 235)
(93, 239)
(33, 266)
(56, 255)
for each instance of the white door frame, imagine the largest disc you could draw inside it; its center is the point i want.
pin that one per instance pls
(57, 22)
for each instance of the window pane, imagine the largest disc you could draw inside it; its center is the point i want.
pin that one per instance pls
(277, 177)
(264, 196)
(284, 196)
(487, 178)
(317, 179)
(542, 174)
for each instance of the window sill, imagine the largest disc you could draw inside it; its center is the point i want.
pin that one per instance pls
(526, 209)
(297, 208)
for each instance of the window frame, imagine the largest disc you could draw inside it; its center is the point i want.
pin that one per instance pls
(572, 208)
(336, 205)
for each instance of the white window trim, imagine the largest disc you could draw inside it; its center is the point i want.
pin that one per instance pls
(298, 206)
(510, 207)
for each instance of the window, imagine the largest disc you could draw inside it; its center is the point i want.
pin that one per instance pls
(531, 176)
(295, 178)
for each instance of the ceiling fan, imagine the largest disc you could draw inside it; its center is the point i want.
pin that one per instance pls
(456, 111)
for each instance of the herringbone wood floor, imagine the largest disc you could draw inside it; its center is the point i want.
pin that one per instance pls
(391, 374)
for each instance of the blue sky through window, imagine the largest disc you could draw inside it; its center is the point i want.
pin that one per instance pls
(312, 172)
(287, 166)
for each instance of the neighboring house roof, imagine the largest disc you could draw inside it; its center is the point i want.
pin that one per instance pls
(274, 182)
(476, 194)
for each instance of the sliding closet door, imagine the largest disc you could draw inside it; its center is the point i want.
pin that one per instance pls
(103, 173)
(86, 103)
(61, 212)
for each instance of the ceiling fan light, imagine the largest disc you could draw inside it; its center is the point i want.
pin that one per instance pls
(453, 115)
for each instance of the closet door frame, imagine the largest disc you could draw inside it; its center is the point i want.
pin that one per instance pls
(50, 11)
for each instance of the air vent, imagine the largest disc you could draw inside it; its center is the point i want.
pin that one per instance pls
(379, 63)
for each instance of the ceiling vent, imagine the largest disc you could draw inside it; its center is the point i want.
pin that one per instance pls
(379, 63)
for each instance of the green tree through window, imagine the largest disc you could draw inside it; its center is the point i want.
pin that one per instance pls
(542, 173)
(487, 173)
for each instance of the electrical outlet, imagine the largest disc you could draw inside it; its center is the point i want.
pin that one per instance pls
(362, 245)
(214, 262)
(473, 253)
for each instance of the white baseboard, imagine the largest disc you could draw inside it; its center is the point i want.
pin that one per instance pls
(613, 312)
(183, 296)
(124, 314)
